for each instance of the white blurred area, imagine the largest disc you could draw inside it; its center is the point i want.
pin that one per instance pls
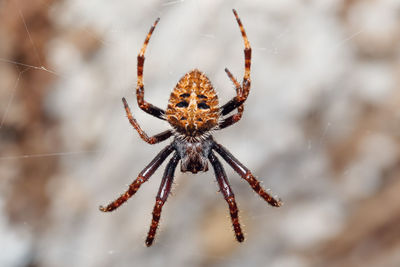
(320, 129)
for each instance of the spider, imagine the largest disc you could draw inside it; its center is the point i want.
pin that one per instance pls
(193, 112)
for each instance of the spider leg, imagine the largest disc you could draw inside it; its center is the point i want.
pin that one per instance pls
(163, 192)
(143, 176)
(228, 195)
(242, 94)
(151, 140)
(145, 106)
(237, 116)
(246, 174)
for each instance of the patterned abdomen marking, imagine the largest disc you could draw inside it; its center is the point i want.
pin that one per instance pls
(193, 108)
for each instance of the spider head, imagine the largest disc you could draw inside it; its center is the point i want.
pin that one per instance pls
(194, 155)
(193, 105)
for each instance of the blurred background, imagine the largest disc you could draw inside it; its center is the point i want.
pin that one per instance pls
(320, 129)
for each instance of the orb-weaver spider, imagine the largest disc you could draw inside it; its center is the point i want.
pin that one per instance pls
(193, 112)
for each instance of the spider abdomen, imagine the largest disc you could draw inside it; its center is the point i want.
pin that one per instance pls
(193, 108)
(194, 155)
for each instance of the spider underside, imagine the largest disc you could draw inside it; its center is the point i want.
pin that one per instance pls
(193, 112)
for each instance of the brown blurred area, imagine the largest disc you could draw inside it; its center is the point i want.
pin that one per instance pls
(55, 198)
(371, 236)
(26, 126)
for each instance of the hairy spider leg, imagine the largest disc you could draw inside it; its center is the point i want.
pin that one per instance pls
(246, 174)
(145, 106)
(143, 176)
(162, 195)
(243, 91)
(237, 116)
(247, 56)
(228, 195)
(151, 140)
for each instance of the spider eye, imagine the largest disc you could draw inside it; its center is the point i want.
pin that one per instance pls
(183, 118)
(184, 95)
(201, 96)
(182, 104)
(203, 105)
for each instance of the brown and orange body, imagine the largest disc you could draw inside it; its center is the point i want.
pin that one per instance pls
(193, 112)
(193, 109)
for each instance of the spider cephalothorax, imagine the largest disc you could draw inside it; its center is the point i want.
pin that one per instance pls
(194, 155)
(193, 112)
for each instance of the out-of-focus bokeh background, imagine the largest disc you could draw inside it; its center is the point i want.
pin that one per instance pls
(320, 129)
